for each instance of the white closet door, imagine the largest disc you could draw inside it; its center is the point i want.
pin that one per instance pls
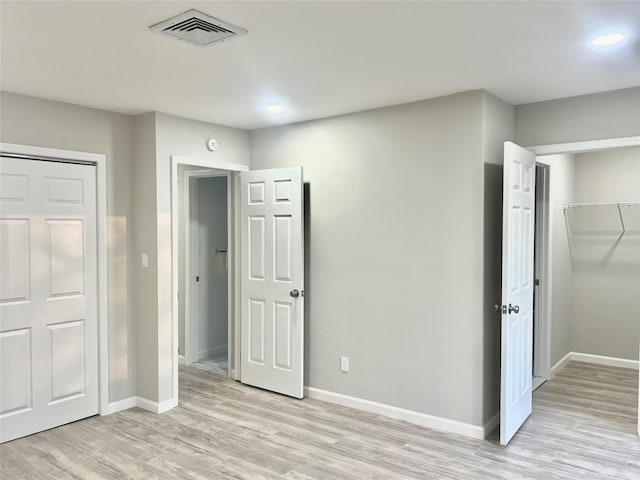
(48, 295)
(272, 280)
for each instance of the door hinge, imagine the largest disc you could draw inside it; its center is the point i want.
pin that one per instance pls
(197, 278)
(537, 282)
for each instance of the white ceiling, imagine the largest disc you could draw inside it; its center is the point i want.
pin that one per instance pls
(318, 58)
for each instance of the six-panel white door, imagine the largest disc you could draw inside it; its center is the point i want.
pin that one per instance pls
(48, 295)
(517, 289)
(272, 280)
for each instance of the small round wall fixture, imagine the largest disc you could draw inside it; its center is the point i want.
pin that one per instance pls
(212, 144)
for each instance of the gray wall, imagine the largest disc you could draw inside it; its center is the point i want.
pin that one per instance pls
(606, 269)
(145, 279)
(212, 233)
(394, 259)
(33, 121)
(588, 117)
(561, 176)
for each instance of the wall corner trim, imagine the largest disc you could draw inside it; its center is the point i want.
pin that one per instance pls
(124, 404)
(140, 402)
(561, 363)
(156, 407)
(411, 416)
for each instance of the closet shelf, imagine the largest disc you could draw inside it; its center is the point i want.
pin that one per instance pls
(599, 218)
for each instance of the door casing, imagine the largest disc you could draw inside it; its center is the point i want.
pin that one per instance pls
(232, 169)
(542, 268)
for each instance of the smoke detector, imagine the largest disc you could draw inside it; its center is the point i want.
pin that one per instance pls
(198, 28)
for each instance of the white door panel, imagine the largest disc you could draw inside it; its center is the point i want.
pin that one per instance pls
(272, 266)
(48, 295)
(517, 289)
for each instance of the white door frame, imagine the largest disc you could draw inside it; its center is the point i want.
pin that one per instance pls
(191, 205)
(542, 303)
(577, 147)
(28, 152)
(233, 169)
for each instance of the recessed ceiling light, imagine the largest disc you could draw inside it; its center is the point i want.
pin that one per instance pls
(275, 109)
(607, 40)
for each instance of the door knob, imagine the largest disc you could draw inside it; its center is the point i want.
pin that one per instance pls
(514, 309)
(294, 293)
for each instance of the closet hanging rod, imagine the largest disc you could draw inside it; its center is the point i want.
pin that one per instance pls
(608, 204)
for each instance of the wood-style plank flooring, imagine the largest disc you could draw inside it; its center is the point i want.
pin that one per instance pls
(583, 427)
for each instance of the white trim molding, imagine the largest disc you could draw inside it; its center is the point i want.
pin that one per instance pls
(603, 360)
(596, 359)
(140, 402)
(156, 407)
(561, 363)
(99, 160)
(124, 404)
(418, 418)
(587, 146)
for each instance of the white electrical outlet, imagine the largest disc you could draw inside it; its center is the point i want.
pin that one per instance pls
(344, 364)
(145, 260)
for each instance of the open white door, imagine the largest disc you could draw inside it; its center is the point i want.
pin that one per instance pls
(272, 280)
(517, 288)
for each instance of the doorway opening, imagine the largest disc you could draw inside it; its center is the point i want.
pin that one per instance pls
(587, 239)
(265, 304)
(585, 262)
(182, 168)
(206, 279)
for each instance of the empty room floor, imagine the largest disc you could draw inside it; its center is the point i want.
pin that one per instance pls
(583, 427)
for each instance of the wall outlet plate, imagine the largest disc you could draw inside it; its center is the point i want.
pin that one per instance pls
(344, 364)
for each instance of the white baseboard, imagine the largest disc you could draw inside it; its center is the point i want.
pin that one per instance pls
(120, 405)
(418, 418)
(182, 360)
(602, 360)
(156, 407)
(597, 359)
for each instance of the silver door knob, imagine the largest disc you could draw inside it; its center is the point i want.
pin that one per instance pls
(514, 309)
(294, 293)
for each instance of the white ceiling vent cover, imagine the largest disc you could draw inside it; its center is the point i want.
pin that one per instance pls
(198, 28)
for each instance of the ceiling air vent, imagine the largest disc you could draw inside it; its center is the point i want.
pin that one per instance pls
(198, 28)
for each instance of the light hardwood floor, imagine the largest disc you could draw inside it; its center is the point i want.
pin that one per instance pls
(582, 427)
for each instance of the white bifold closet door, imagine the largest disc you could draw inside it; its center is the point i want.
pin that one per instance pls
(48, 295)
